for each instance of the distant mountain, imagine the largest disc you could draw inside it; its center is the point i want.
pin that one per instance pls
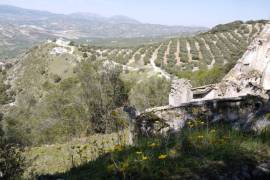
(21, 28)
(119, 19)
(123, 19)
(87, 16)
(17, 14)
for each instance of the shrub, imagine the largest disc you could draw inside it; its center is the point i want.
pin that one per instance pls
(56, 78)
(4, 98)
(12, 163)
(150, 93)
(85, 55)
(203, 77)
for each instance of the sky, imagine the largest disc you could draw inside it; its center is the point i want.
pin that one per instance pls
(167, 12)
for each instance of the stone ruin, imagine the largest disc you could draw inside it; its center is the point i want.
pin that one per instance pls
(250, 76)
(180, 92)
(241, 98)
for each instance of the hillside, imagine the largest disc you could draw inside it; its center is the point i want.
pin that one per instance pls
(22, 28)
(76, 108)
(203, 59)
(220, 47)
(223, 136)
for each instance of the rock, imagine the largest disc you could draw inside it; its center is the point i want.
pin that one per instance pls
(58, 50)
(265, 167)
(149, 124)
(261, 125)
(242, 113)
(266, 77)
(180, 92)
(132, 112)
(62, 42)
(262, 171)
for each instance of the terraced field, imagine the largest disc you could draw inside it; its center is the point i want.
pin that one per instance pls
(222, 46)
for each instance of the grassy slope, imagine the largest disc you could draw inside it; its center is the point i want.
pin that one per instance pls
(197, 152)
(60, 157)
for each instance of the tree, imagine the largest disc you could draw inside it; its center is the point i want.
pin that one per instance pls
(85, 55)
(102, 92)
(11, 159)
(3, 95)
(150, 93)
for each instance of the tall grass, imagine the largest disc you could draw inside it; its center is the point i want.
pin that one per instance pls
(200, 150)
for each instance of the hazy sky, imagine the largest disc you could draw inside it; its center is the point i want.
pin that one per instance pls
(170, 12)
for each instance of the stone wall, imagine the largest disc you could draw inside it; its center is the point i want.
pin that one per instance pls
(180, 92)
(240, 112)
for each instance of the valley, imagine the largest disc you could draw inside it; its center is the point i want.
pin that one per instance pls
(22, 28)
(84, 96)
(219, 47)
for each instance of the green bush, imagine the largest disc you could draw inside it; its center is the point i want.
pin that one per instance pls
(150, 92)
(56, 78)
(73, 107)
(203, 77)
(12, 163)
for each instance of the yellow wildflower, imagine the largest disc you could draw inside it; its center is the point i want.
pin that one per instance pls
(172, 152)
(144, 158)
(162, 156)
(213, 131)
(153, 145)
(138, 152)
(222, 141)
(123, 166)
(200, 137)
(118, 148)
(111, 167)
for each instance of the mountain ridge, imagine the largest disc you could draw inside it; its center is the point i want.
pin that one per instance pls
(22, 28)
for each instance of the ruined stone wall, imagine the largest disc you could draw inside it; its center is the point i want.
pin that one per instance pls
(241, 112)
(180, 92)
